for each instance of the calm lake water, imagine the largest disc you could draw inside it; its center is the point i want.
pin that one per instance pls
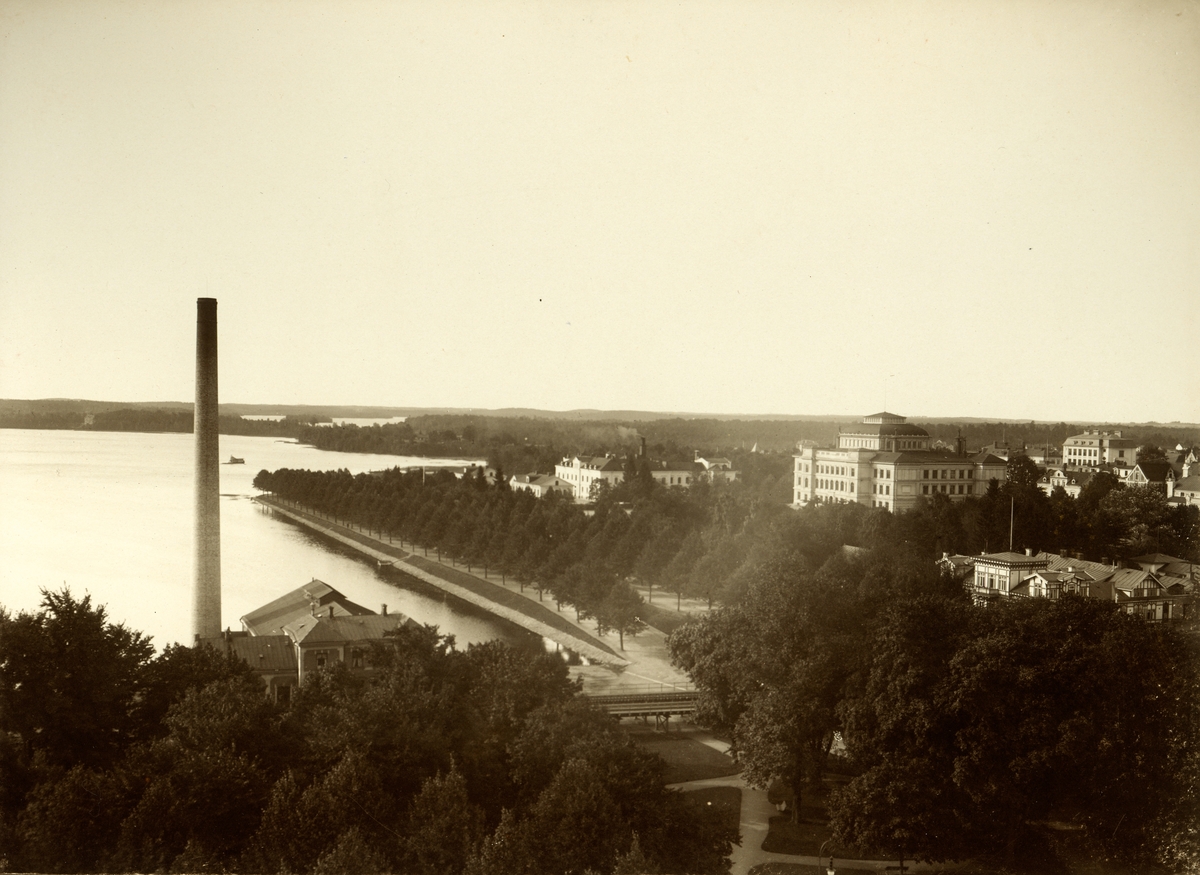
(111, 514)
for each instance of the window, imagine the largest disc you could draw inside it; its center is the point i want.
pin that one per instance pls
(924, 488)
(356, 658)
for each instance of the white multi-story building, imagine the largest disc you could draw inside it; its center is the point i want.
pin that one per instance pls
(584, 472)
(1098, 449)
(886, 462)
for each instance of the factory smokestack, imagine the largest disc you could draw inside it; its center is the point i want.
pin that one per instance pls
(206, 592)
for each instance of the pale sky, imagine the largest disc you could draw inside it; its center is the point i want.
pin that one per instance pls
(951, 209)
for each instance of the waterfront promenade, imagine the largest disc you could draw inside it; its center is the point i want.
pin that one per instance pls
(644, 663)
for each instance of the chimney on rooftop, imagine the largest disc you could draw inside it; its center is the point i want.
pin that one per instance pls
(206, 587)
(1028, 551)
(383, 610)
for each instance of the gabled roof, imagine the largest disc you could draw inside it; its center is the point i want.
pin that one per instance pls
(1094, 570)
(1179, 568)
(986, 458)
(265, 653)
(341, 630)
(1155, 471)
(272, 617)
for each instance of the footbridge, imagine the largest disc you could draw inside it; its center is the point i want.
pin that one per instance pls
(660, 701)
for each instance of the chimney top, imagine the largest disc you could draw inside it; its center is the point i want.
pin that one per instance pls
(383, 610)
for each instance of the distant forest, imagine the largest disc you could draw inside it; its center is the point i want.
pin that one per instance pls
(526, 443)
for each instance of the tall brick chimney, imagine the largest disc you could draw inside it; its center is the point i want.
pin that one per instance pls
(206, 588)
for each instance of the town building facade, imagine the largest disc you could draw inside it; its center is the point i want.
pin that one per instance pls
(888, 463)
(1095, 450)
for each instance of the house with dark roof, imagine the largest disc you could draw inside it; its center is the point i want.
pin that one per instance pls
(273, 658)
(310, 627)
(1157, 475)
(315, 597)
(324, 640)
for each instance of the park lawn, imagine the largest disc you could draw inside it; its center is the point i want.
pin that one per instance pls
(809, 835)
(664, 619)
(686, 758)
(726, 800)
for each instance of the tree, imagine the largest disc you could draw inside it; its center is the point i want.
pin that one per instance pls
(784, 680)
(621, 611)
(977, 726)
(576, 825)
(444, 829)
(904, 801)
(1151, 453)
(70, 680)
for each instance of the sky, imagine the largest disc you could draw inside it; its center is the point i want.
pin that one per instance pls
(942, 209)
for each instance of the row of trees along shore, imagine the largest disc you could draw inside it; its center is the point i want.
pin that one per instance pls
(484, 761)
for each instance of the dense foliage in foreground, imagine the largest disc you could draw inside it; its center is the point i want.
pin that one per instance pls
(483, 761)
(1032, 732)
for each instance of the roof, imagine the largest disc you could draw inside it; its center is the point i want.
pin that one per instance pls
(1052, 576)
(884, 428)
(986, 458)
(272, 617)
(1188, 484)
(1008, 557)
(1156, 559)
(958, 560)
(265, 653)
(940, 457)
(1155, 471)
(341, 630)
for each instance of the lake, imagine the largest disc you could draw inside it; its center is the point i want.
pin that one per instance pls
(111, 514)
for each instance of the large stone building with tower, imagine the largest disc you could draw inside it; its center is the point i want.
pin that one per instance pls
(886, 462)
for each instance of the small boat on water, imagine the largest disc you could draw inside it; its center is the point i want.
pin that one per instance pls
(234, 460)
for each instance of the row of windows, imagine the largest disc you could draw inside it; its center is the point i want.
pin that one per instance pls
(883, 473)
(841, 470)
(836, 485)
(942, 487)
(882, 489)
(967, 473)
